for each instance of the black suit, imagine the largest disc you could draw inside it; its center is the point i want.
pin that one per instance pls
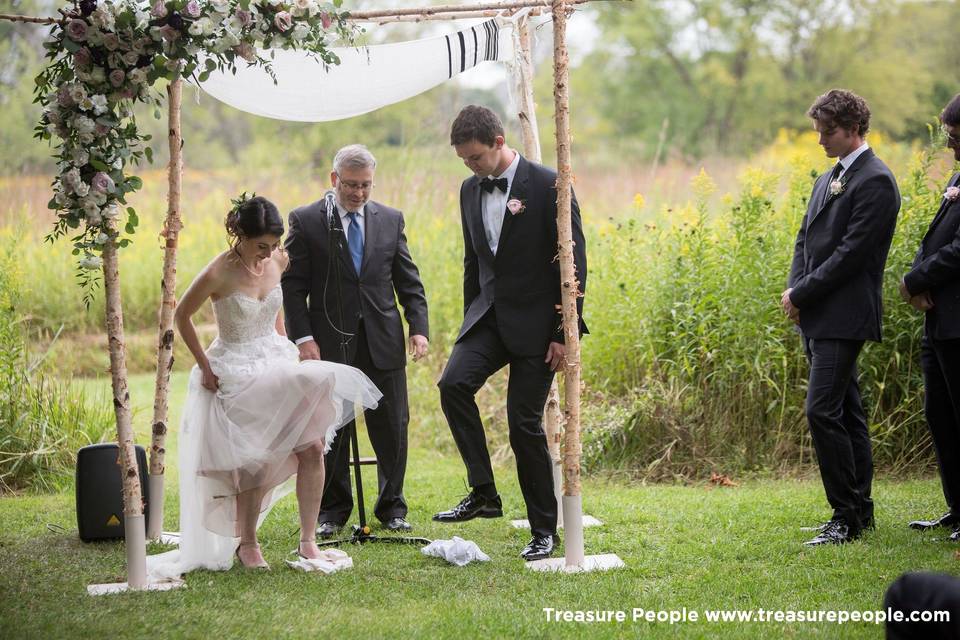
(837, 279)
(510, 318)
(936, 270)
(377, 348)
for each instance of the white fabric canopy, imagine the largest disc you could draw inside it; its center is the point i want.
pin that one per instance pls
(366, 79)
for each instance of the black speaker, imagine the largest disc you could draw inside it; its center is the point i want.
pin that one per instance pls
(100, 491)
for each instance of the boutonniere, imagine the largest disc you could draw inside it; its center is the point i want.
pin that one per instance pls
(952, 194)
(837, 187)
(515, 206)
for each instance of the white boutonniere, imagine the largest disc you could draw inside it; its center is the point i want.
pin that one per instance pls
(952, 194)
(515, 206)
(836, 187)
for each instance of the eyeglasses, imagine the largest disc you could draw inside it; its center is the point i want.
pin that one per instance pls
(354, 186)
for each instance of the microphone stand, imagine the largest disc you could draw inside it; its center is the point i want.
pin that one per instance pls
(360, 533)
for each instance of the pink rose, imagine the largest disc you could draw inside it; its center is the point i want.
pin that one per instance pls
(77, 30)
(101, 129)
(245, 17)
(169, 33)
(325, 20)
(159, 9)
(116, 77)
(63, 96)
(101, 182)
(515, 206)
(246, 51)
(111, 41)
(81, 58)
(192, 9)
(951, 194)
(283, 20)
(129, 93)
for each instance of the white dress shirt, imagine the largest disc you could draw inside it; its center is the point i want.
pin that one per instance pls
(494, 205)
(851, 158)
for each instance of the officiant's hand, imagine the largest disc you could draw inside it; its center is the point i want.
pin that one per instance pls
(309, 350)
(555, 355)
(419, 345)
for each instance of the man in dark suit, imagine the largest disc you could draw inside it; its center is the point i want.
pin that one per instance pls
(376, 270)
(834, 295)
(933, 286)
(511, 293)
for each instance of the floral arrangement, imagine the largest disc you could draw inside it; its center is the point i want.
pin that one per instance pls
(952, 193)
(106, 55)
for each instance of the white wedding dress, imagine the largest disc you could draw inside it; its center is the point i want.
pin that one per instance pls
(268, 406)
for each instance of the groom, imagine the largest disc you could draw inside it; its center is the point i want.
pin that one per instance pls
(834, 295)
(511, 297)
(376, 270)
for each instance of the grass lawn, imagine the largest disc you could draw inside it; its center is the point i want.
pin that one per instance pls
(694, 547)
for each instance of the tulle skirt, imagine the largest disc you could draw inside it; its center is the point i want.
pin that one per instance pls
(246, 436)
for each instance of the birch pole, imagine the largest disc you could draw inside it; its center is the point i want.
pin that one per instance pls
(133, 524)
(569, 288)
(527, 114)
(168, 302)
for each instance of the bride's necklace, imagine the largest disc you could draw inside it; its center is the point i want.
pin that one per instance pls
(251, 271)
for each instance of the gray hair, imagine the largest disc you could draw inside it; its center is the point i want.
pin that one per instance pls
(354, 156)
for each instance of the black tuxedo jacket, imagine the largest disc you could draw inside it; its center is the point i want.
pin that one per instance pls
(840, 252)
(937, 269)
(522, 282)
(387, 274)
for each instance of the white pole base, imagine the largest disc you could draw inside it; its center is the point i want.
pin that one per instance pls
(588, 521)
(123, 587)
(600, 562)
(155, 530)
(558, 489)
(136, 544)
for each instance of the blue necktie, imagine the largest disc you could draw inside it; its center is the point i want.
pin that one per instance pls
(355, 240)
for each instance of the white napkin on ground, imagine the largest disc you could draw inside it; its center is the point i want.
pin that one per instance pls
(330, 561)
(457, 551)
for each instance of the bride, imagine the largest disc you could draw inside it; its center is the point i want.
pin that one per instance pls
(254, 416)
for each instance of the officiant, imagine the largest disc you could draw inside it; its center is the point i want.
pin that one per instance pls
(376, 270)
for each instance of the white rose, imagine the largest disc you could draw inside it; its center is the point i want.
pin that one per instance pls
(193, 49)
(196, 28)
(79, 156)
(91, 262)
(98, 75)
(94, 36)
(81, 189)
(300, 31)
(220, 6)
(86, 138)
(77, 92)
(101, 238)
(83, 124)
(130, 58)
(117, 164)
(137, 76)
(99, 104)
(61, 198)
(111, 211)
(72, 178)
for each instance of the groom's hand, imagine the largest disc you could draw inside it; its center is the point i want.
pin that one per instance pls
(309, 350)
(419, 345)
(555, 355)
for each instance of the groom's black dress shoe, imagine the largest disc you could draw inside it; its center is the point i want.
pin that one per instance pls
(836, 532)
(538, 548)
(946, 520)
(397, 524)
(328, 529)
(473, 506)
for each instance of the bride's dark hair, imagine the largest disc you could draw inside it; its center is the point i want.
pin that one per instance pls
(252, 217)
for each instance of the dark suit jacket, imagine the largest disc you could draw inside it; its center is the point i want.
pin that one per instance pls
(522, 282)
(387, 273)
(937, 269)
(840, 252)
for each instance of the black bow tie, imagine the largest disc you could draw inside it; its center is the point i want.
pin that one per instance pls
(489, 183)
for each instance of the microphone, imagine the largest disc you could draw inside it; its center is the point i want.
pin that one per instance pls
(331, 205)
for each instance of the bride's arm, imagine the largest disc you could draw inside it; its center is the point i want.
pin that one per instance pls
(203, 286)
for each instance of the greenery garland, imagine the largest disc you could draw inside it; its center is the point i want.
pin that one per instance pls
(105, 56)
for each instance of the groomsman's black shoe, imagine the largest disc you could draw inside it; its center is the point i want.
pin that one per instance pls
(538, 548)
(955, 536)
(328, 529)
(473, 506)
(397, 524)
(946, 520)
(836, 532)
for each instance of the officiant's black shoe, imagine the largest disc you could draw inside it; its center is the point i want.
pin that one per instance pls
(328, 529)
(397, 524)
(946, 520)
(836, 532)
(538, 548)
(473, 506)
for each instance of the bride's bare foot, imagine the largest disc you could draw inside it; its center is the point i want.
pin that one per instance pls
(250, 556)
(308, 549)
